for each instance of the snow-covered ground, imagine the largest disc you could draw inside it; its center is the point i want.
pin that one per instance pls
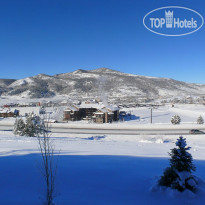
(106, 169)
(161, 115)
(95, 169)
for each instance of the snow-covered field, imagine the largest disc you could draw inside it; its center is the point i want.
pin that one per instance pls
(161, 115)
(95, 169)
(101, 170)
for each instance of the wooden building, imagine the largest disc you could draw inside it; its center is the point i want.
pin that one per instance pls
(93, 111)
(106, 114)
(72, 113)
(8, 113)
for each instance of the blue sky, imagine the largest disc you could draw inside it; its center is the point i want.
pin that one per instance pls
(51, 37)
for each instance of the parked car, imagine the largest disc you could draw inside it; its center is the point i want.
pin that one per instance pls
(194, 131)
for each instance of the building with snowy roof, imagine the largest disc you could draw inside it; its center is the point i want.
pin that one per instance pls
(95, 112)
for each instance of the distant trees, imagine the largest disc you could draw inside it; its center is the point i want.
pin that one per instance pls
(41, 89)
(179, 174)
(200, 120)
(175, 120)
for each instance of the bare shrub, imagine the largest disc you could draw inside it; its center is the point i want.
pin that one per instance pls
(49, 167)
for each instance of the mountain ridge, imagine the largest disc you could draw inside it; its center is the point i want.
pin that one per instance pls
(101, 83)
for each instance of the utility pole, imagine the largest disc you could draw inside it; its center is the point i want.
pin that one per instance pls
(151, 115)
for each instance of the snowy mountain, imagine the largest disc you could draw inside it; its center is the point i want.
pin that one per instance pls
(102, 82)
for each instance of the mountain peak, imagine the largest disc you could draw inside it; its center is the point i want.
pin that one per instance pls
(103, 70)
(41, 75)
(80, 71)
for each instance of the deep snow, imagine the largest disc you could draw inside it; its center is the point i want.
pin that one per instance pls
(95, 169)
(105, 169)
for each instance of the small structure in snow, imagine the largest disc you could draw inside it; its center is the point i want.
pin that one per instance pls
(8, 113)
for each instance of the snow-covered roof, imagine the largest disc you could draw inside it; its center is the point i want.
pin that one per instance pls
(90, 105)
(112, 108)
(104, 109)
(109, 109)
(5, 111)
(100, 106)
(64, 101)
(72, 107)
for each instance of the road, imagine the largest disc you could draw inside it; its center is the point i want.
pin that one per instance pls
(111, 131)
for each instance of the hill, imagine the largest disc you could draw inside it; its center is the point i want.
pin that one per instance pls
(102, 82)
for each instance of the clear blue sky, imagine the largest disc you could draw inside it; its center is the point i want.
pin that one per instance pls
(51, 37)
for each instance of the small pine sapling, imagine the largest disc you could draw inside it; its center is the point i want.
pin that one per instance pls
(200, 120)
(175, 120)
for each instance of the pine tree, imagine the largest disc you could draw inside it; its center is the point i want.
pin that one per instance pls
(34, 125)
(19, 127)
(176, 119)
(181, 160)
(179, 174)
(200, 120)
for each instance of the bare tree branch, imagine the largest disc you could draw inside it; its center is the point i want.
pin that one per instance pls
(49, 168)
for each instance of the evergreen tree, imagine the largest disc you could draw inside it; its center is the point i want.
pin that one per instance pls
(175, 120)
(181, 160)
(200, 120)
(179, 174)
(19, 127)
(34, 125)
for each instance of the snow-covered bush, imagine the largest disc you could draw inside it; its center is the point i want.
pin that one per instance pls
(179, 174)
(200, 120)
(19, 127)
(32, 126)
(175, 120)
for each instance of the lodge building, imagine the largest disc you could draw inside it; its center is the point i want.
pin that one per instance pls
(94, 112)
